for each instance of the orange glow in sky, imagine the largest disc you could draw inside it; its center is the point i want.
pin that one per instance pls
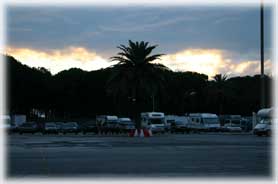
(206, 61)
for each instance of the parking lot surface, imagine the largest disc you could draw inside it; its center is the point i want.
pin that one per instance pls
(169, 155)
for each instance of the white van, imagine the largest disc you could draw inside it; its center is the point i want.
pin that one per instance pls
(176, 121)
(154, 121)
(107, 123)
(265, 120)
(205, 121)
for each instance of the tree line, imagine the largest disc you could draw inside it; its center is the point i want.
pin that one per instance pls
(75, 93)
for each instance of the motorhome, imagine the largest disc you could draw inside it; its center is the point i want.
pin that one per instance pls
(231, 123)
(205, 121)
(106, 123)
(154, 121)
(176, 122)
(265, 119)
(126, 125)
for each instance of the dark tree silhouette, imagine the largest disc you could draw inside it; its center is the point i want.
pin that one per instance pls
(79, 94)
(135, 77)
(220, 82)
(220, 79)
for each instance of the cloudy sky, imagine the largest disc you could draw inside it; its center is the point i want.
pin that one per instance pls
(205, 39)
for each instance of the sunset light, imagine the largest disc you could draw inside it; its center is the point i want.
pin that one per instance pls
(58, 60)
(206, 61)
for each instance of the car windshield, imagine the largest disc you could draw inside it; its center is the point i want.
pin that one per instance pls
(59, 124)
(29, 125)
(112, 121)
(211, 121)
(156, 121)
(265, 121)
(234, 125)
(127, 122)
(236, 121)
(50, 124)
(70, 125)
(180, 123)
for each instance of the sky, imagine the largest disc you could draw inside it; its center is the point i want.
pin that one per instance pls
(204, 39)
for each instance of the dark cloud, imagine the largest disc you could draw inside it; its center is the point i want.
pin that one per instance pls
(234, 29)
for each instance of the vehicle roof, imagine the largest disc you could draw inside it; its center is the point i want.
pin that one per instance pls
(267, 112)
(203, 115)
(152, 114)
(69, 123)
(124, 119)
(111, 117)
(175, 117)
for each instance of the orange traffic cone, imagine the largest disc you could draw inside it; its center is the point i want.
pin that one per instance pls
(146, 132)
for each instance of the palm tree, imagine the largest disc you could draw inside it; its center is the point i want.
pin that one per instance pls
(220, 82)
(220, 79)
(134, 76)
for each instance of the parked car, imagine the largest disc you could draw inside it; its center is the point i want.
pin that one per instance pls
(246, 124)
(170, 119)
(230, 127)
(70, 127)
(179, 126)
(107, 124)
(112, 127)
(50, 127)
(59, 126)
(28, 127)
(204, 122)
(265, 120)
(126, 125)
(263, 128)
(88, 127)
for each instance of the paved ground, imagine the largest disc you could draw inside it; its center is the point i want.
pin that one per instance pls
(193, 155)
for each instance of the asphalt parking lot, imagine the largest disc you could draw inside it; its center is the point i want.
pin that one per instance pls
(170, 155)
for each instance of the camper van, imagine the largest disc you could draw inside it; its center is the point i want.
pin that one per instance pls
(154, 121)
(176, 123)
(126, 125)
(265, 120)
(107, 124)
(205, 121)
(232, 123)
